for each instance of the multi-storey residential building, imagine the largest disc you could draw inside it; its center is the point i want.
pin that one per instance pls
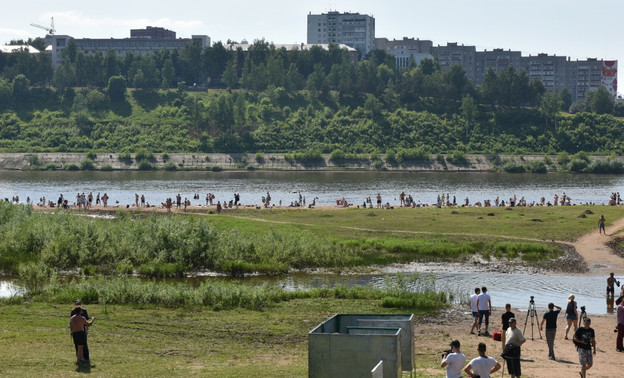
(351, 29)
(497, 59)
(144, 41)
(406, 51)
(555, 72)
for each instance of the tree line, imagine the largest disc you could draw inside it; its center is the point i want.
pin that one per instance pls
(277, 100)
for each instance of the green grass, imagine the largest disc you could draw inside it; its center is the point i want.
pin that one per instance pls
(157, 329)
(276, 241)
(529, 223)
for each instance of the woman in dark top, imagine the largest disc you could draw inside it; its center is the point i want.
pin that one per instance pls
(571, 315)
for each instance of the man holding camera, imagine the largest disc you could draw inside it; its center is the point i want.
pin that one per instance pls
(453, 360)
(511, 353)
(482, 366)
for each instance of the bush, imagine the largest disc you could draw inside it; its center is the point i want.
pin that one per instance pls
(410, 156)
(536, 166)
(457, 158)
(72, 167)
(260, 158)
(145, 165)
(513, 167)
(170, 166)
(605, 166)
(216, 168)
(91, 155)
(165, 157)
(34, 276)
(125, 157)
(578, 165)
(106, 168)
(87, 165)
(144, 155)
(563, 158)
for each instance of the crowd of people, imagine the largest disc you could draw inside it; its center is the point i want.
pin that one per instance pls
(86, 201)
(512, 339)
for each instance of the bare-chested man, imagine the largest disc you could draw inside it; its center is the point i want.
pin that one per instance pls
(77, 324)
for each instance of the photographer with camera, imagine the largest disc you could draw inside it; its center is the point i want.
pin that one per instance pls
(482, 366)
(453, 360)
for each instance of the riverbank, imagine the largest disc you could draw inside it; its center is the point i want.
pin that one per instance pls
(277, 162)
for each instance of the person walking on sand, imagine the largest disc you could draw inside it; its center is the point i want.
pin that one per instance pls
(571, 315)
(484, 304)
(474, 309)
(77, 324)
(601, 225)
(585, 339)
(551, 328)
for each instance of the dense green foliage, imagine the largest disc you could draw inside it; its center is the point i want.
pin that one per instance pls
(286, 101)
(221, 295)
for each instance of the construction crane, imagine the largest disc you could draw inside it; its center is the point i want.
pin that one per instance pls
(50, 29)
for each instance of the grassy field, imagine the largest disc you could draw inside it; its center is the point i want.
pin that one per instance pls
(154, 341)
(275, 241)
(468, 223)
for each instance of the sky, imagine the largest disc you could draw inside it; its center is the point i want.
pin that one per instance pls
(579, 29)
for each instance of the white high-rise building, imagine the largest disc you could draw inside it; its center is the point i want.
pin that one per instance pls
(352, 29)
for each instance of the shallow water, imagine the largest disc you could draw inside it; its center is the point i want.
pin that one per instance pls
(327, 186)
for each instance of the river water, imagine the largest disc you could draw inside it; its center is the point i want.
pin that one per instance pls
(326, 186)
(354, 187)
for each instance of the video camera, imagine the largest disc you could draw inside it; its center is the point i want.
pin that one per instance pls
(446, 353)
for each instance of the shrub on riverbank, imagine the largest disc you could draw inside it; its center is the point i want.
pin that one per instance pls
(220, 295)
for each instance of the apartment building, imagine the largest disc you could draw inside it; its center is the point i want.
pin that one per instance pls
(142, 41)
(555, 72)
(351, 29)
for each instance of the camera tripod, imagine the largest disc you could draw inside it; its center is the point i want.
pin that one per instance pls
(532, 313)
(582, 316)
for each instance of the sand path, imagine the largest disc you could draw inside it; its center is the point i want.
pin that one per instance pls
(592, 247)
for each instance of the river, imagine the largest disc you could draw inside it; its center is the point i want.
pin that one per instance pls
(355, 187)
(326, 186)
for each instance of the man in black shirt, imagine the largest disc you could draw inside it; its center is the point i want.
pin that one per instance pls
(85, 350)
(585, 340)
(551, 328)
(505, 318)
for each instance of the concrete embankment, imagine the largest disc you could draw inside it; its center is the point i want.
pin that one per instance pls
(243, 162)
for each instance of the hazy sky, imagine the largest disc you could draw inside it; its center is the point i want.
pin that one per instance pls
(575, 28)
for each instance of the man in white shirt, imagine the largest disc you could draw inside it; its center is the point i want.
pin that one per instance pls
(482, 366)
(454, 361)
(515, 339)
(474, 309)
(484, 304)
